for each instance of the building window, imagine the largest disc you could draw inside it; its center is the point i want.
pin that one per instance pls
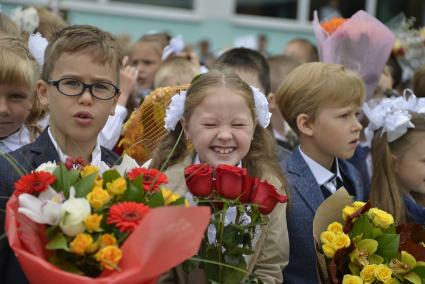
(286, 9)
(182, 4)
(410, 8)
(338, 8)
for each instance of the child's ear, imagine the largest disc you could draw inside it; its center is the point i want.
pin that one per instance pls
(395, 162)
(42, 92)
(184, 127)
(272, 101)
(114, 104)
(304, 124)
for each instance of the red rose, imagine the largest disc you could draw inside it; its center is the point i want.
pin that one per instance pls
(152, 178)
(230, 181)
(75, 163)
(266, 196)
(199, 179)
(249, 184)
(34, 182)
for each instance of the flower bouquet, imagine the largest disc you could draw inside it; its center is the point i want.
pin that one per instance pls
(363, 246)
(239, 203)
(361, 43)
(68, 223)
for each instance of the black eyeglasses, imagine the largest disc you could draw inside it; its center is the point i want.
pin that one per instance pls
(74, 87)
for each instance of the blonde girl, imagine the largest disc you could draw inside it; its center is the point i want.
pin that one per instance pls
(398, 155)
(224, 125)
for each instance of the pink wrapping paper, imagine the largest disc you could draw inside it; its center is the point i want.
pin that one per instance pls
(166, 237)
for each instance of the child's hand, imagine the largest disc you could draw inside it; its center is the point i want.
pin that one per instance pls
(128, 79)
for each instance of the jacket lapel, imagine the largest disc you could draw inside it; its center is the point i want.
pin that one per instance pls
(303, 181)
(349, 172)
(43, 150)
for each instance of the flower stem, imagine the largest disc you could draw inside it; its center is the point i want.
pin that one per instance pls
(220, 243)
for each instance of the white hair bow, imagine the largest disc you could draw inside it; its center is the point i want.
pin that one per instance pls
(26, 19)
(176, 45)
(393, 115)
(37, 45)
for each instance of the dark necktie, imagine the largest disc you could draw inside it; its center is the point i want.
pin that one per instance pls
(330, 186)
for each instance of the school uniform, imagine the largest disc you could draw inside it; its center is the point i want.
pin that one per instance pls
(28, 158)
(309, 185)
(271, 248)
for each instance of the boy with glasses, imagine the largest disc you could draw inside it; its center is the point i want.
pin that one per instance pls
(80, 82)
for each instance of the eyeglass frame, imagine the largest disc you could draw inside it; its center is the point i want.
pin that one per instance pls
(85, 86)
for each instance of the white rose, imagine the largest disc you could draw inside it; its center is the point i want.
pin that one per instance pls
(74, 211)
(46, 167)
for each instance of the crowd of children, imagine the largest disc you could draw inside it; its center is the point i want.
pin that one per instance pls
(289, 119)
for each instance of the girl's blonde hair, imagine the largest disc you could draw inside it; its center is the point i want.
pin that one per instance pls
(385, 190)
(159, 41)
(261, 158)
(18, 67)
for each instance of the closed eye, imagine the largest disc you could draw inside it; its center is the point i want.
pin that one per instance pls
(17, 97)
(238, 125)
(209, 124)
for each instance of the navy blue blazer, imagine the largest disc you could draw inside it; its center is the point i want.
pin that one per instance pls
(305, 197)
(29, 157)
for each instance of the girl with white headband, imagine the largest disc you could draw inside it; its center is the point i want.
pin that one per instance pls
(397, 126)
(224, 121)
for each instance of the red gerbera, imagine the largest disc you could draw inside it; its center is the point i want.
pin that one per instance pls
(152, 178)
(34, 182)
(127, 215)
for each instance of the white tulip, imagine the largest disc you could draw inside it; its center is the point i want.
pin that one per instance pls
(46, 167)
(46, 209)
(74, 211)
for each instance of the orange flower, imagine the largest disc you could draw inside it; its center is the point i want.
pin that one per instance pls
(81, 243)
(107, 240)
(109, 257)
(333, 24)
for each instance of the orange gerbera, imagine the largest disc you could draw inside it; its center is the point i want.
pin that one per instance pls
(333, 24)
(34, 182)
(127, 215)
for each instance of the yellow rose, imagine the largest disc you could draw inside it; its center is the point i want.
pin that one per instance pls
(351, 279)
(335, 227)
(81, 243)
(98, 197)
(88, 170)
(107, 240)
(380, 218)
(109, 257)
(358, 204)
(368, 273)
(328, 250)
(117, 187)
(383, 273)
(340, 241)
(98, 183)
(170, 196)
(326, 237)
(347, 211)
(92, 222)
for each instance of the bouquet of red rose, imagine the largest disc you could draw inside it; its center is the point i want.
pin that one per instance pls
(366, 247)
(69, 223)
(238, 202)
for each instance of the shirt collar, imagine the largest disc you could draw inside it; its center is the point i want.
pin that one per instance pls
(96, 156)
(18, 139)
(197, 161)
(320, 173)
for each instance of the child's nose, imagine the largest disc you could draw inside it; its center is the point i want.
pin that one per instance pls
(86, 98)
(224, 134)
(4, 108)
(357, 125)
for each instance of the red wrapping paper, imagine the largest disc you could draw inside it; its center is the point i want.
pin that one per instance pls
(166, 237)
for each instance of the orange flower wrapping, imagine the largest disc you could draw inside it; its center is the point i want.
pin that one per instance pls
(333, 24)
(145, 127)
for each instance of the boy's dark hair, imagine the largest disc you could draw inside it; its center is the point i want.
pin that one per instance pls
(247, 60)
(100, 45)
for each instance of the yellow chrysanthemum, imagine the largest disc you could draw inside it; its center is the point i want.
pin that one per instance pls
(328, 250)
(327, 237)
(383, 273)
(81, 243)
(380, 218)
(368, 273)
(335, 227)
(347, 211)
(340, 241)
(117, 187)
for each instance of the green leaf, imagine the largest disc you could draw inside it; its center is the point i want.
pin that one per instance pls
(133, 194)
(110, 176)
(413, 277)
(231, 236)
(388, 245)
(85, 185)
(58, 242)
(51, 231)
(64, 265)
(420, 271)
(64, 179)
(240, 250)
(376, 232)
(354, 268)
(156, 200)
(230, 275)
(210, 268)
(178, 201)
(362, 226)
